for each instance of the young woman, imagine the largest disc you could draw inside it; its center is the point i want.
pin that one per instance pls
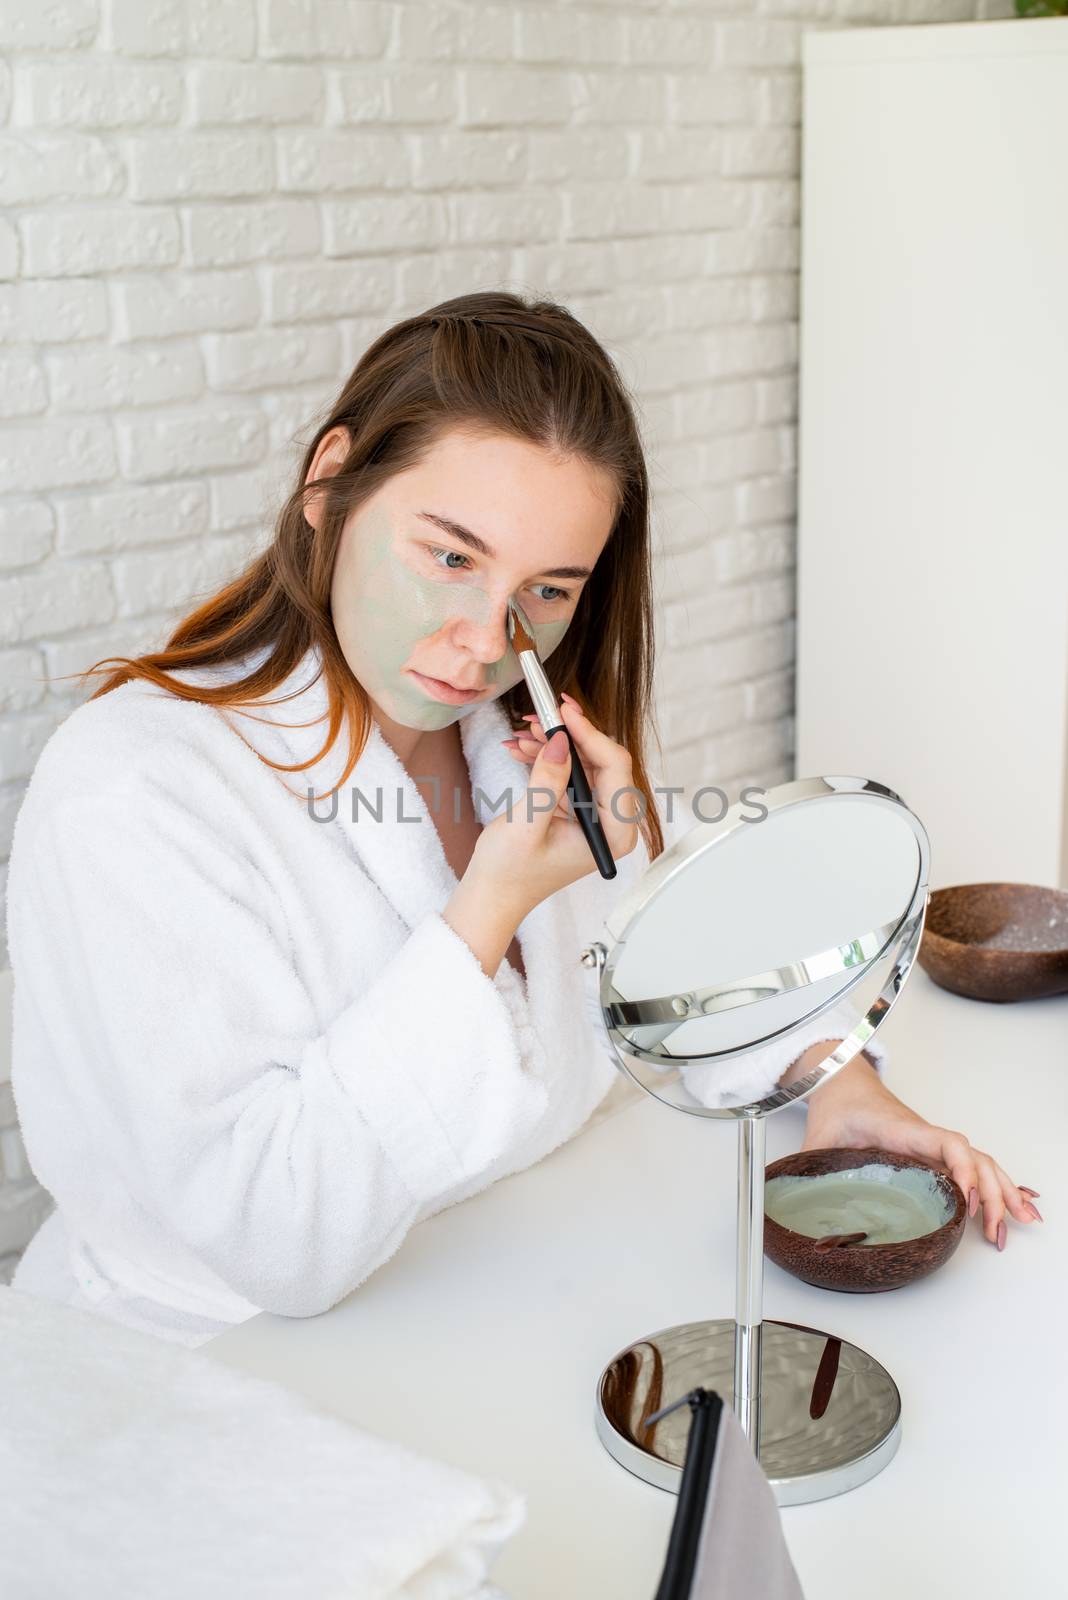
(287, 977)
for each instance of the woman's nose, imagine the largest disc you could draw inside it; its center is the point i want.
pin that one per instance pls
(488, 641)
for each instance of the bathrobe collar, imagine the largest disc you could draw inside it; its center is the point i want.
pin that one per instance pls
(402, 852)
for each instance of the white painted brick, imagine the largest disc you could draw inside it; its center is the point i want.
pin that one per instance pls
(238, 499)
(623, 98)
(122, 637)
(568, 37)
(312, 291)
(607, 210)
(39, 603)
(575, 154)
(56, 166)
(176, 166)
(21, 741)
(56, 313)
(762, 44)
(769, 697)
(313, 161)
(756, 349)
(439, 32)
(756, 250)
(270, 357)
(292, 418)
(75, 244)
(565, 273)
(93, 378)
(424, 280)
(311, 29)
(154, 447)
(775, 297)
(449, 160)
(767, 500)
(751, 552)
(123, 519)
(495, 219)
(5, 91)
(380, 223)
(714, 99)
(49, 455)
(229, 235)
(9, 250)
(180, 303)
(22, 386)
(780, 97)
(151, 580)
(761, 152)
(773, 202)
(668, 155)
(413, 96)
(712, 615)
(717, 203)
(665, 258)
(32, 25)
(195, 28)
(721, 408)
(225, 92)
(145, 27)
(700, 715)
(777, 399)
(26, 529)
(668, 42)
(709, 304)
(96, 94)
(21, 679)
(23, 1208)
(226, 30)
(11, 796)
(507, 96)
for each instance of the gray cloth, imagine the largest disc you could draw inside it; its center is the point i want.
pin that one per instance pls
(742, 1553)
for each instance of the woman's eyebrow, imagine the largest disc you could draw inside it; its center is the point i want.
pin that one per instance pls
(475, 543)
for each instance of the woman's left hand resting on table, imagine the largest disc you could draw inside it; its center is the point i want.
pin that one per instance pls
(855, 1109)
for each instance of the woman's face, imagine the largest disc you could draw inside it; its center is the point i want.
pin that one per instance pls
(425, 569)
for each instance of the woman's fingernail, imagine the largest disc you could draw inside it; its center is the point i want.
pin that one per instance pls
(973, 1202)
(556, 750)
(1034, 1193)
(1003, 1234)
(1035, 1212)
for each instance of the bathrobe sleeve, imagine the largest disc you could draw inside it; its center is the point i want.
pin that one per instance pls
(756, 1073)
(290, 1153)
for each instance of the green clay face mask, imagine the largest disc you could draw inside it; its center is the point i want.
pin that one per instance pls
(390, 608)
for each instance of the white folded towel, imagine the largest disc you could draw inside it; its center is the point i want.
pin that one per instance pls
(129, 1466)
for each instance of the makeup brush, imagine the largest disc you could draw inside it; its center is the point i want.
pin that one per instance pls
(585, 808)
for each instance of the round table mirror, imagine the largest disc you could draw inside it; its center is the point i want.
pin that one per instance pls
(738, 937)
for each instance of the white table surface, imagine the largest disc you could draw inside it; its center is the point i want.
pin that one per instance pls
(482, 1340)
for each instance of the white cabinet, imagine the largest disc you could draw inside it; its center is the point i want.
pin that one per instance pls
(933, 536)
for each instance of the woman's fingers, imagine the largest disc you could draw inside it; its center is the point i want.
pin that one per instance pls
(983, 1182)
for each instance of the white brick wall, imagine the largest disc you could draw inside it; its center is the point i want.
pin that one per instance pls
(208, 208)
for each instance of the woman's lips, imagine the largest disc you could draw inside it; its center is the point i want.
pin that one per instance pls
(445, 692)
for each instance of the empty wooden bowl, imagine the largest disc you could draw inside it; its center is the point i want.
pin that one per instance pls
(997, 941)
(865, 1268)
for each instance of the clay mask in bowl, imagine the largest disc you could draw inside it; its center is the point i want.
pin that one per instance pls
(913, 1216)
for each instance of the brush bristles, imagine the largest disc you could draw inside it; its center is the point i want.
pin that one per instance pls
(521, 639)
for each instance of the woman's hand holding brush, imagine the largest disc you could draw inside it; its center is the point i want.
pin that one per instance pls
(521, 860)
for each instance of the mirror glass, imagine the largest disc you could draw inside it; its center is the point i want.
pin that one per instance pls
(745, 930)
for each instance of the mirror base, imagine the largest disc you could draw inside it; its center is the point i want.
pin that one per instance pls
(853, 1435)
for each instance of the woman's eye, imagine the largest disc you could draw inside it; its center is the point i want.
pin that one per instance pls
(435, 552)
(554, 595)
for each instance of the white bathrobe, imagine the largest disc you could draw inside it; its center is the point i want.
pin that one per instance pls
(249, 1054)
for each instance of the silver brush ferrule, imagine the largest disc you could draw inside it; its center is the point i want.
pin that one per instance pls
(540, 692)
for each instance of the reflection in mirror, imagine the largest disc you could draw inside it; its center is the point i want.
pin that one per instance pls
(743, 931)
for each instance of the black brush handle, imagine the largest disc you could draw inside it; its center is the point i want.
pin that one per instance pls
(585, 808)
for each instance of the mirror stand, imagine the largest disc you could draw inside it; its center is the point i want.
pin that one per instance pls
(822, 1415)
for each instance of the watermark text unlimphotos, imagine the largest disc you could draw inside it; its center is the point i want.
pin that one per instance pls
(707, 804)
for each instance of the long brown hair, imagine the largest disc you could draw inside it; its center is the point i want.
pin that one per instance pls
(491, 362)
